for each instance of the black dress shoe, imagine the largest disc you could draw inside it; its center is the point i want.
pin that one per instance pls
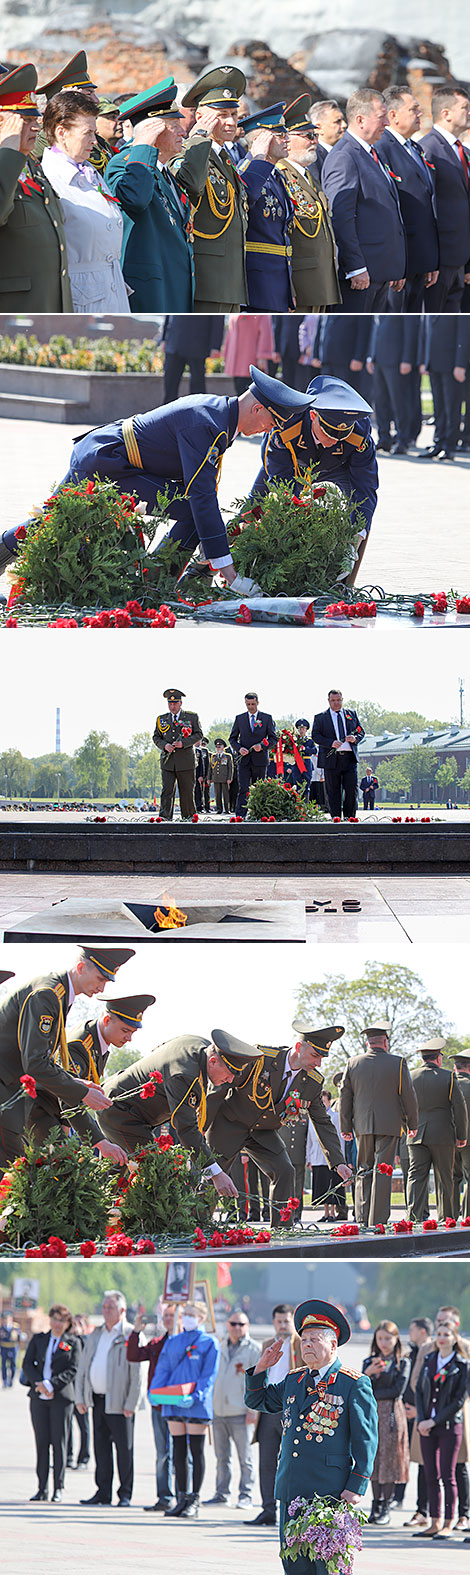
(399, 448)
(97, 1498)
(384, 448)
(57, 1496)
(383, 1519)
(123, 1503)
(39, 1498)
(263, 1519)
(219, 1498)
(177, 1508)
(191, 1508)
(162, 1507)
(448, 454)
(194, 571)
(432, 453)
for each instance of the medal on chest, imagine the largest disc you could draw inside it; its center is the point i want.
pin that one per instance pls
(323, 1415)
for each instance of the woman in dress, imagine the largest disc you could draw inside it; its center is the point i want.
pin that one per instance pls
(49, 1369)
(190, 1357)
(388, 1372)
(93, 221)
(440, 1396)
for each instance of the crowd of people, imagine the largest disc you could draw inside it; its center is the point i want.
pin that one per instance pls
(415, 1408)
(192, 199)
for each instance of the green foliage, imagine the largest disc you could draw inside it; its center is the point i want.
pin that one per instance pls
(82, 355)
(166, 1195)
(295, 550)
(375, 719)
(447, 772)
(388, 991)
(92, 764)
(272, 798)
(406, 1291)
(87, 547)
(61, 1190)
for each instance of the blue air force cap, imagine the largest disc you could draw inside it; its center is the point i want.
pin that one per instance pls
(283, 403)
(336, 404)
(269, 119)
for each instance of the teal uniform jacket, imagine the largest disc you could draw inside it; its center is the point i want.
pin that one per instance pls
(157, 257)
(329, 1430)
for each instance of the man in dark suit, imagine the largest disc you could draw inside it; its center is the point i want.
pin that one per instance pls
(444, 151)
(447, 350)
(252, 733)
(368, 786)
(330, 123)
(400, 153)
(393, 359)
(286, 338)
(188, 341)
(365, 209)
(338, 732)
(340, 349)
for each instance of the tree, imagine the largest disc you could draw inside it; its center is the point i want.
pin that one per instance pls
(146, 775)
(15, 773)
(118, 762)
(46, 770)
(118, 1060)
(423, 766)
(384, 990)
(139, 745)
(393, 775)
(377, 720)
(446, 774)
(93, 764)
(465, 782)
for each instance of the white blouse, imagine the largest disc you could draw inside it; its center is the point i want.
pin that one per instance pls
(93, 233)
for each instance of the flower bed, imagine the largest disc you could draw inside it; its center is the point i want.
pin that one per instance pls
(82, 355)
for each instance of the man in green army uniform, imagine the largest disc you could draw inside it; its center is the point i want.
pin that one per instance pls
(75, 77)
(330, 1427)
(314, 270)
(176, 734)
(259, 1104)
(187, 1065)
(220, 219)
(221, 773)
(462, 1155)
(91, 1043)
(33, 1043)
(442, 1127)
(376, 1100)
(33, 258)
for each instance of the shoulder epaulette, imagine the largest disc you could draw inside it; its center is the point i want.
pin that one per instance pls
(349, 1372)
(317, 1076)
(59, 991)
(88, 1042)
(357, 441)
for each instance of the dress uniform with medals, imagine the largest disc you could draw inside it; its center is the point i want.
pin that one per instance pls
(350, 463)
(157, 257)
(307, 749)
(330, 1428)
(442, 1123)
(75, 74)
(252, 1116)
(221, 212)
(376, 1100)
(179, 1099)
(221, 773)
(89, 1048)
(33, 1042)
(178, 768)
(33, 258)
(270, 223)
(314, 271)
(462, 1155)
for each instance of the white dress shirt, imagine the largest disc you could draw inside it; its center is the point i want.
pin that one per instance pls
(344, 746)
(100, 1359)
(93, 233)
(449, 136)
(368, 149)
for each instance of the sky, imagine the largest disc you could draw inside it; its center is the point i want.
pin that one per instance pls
(116, 684)
(248, 990)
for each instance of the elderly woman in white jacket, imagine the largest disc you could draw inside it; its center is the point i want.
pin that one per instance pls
(93, 222)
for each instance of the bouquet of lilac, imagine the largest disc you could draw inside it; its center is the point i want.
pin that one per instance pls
(326, 1529)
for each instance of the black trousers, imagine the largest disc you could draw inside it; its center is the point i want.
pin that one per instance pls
(341, 785)
(374, 299)
(174, 368)
(269, 1440)
(447, 399)
(51, 1424)
(110, 1427)
(361, 381)
(250, 769)
(83, 1424)
(392, 399)
(446, 294)
(202, 795)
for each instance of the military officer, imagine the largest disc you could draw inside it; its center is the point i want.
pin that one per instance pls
(90, 1045)
(333, 433)
(221, 212)
(221, 773)
(314, 271)
(295, 1138)
(462, 1155)
(307, 749)
(75, 77)
(33, 1042)
(376, 1099)
(187, 1066)
(33, 257)
(176, 734)
(157, 258)
(271, 215)
(258, 1106)
(330, 1428)
(442, 1127)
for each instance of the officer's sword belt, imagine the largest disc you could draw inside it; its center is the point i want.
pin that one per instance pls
(131, 444)
(272, 251)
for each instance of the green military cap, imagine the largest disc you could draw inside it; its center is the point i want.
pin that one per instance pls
(6, 973)
(235, 1052)
(129, 1008)
(157, 100)
(108, 958)
(432, 1047)
(174, 694)
(74, 74)
(220, 88)
(17, 96)
(379, 1027)
(106, 107)
(320, 1039)
(296, 115)
(323, 1315)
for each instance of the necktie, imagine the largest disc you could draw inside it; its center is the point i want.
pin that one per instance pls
(418, 157)
(252, 723)
(381, 166)
(341, 730)
(463, 158)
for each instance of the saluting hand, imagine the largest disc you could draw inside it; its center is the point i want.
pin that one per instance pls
(11, 127)
(269, 1357)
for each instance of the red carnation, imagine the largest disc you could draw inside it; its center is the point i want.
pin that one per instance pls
(20, 533)
(419, 609)
(263, 1235)
(145, 1248)
(195, 818)
(429, 1224)
(147, 1091)
(155, 1077)
(450, 1224)
(88, 1249)
(29, 1086)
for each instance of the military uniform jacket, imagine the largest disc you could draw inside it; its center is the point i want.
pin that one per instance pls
(157, 257)
(220, 766)
(268, 237)
(32, 1041)
(86, 1060)
(442, 1109)
(219, 223)
(167, 730)
(180, 1099)
(463, 1080)
(33, 257)
(351, 464)
(329, 1430)
(259, 1101)
(314, 268)
(377, 1095)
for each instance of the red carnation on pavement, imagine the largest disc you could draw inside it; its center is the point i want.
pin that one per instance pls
(88, 1249)
(309, 614)
(466, 1222)
(145, 1248)
(430, 1224)
(419, 609)
(450, 1224)
(380, 1230)
(29, 1086)
(263, 1235)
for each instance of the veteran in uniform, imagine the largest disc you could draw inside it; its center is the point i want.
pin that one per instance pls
(330, 1428)
(187, 1066)
(271, 215)
(75, 77)
(314, 271)
(221, 210)
(90, 1045)
(332, 434)
(307, 749)
(221, 773)
(376, 1100)
(252, 1116)
(462, 1155)
(442, 1127)
(176, 734)
(33, 257)
(33, 1042)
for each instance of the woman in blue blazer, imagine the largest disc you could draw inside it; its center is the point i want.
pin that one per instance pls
(190, 1357)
